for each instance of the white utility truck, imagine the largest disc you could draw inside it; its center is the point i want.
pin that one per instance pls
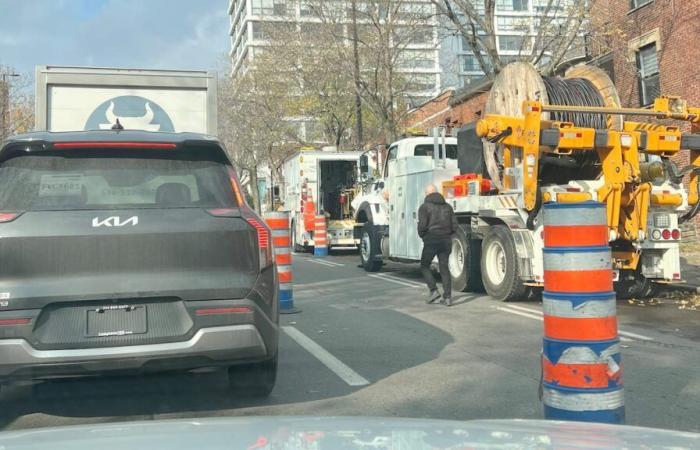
(320, 182)
(92, 98)
(499, 244)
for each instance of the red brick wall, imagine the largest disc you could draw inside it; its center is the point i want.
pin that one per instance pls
(439, 112)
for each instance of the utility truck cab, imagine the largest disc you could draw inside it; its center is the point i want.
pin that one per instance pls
(410, 165)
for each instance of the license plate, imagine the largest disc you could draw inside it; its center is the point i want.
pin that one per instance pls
(116, 320)
(616, 275)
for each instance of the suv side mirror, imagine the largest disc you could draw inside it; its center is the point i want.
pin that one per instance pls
(364, 165)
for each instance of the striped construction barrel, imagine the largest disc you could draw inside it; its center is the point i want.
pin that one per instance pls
(279, 224)
(320, 236)
(581, 362)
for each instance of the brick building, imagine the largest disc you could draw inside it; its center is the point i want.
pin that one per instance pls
(452, 108)
(649, 47)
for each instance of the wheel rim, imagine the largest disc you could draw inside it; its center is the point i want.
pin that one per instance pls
(496, 263)
(456, 259)
(365, 245)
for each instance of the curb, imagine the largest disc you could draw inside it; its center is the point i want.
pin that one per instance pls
(685, 287)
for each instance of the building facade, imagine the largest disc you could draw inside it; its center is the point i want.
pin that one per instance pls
(649, 48)
(515, 27)
(418, 60)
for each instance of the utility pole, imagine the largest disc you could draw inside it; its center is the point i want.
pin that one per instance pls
(356, 76)
(5, 97)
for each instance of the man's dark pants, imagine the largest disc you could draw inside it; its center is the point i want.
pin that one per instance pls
(442, 249)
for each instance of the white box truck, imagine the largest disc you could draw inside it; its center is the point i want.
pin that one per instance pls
(320, 182)
(92, 98)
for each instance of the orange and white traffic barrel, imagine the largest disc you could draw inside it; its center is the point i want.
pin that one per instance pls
(279, 224)
(581, 363)
(320, 236)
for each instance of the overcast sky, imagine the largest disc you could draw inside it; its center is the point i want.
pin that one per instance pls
(159, 34)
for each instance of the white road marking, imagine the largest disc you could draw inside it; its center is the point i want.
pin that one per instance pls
(528, 310)
(332, 263)
(321, 262)
(635, 336)
(624, 335)
(348, 375)
(512, 311)
(385, 277)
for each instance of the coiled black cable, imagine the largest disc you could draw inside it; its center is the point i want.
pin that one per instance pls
(574, 92)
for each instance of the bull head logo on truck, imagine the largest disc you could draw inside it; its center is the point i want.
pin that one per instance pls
(133, 112)
(131, 123)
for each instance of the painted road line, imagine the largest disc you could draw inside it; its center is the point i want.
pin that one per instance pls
(333, 263)
(317, 284)
(519, 310)
(323, 263)
(520, 313)
(393, 277)
(527, 310)
(396, 280)
(635, 335)
(348, 375)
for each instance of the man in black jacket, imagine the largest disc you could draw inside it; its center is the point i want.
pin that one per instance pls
(436, 225)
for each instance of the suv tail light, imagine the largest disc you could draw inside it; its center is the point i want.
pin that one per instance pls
(8, 216)
(264, 238)
(676, 234)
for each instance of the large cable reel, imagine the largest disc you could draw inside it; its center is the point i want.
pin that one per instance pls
(581, 86)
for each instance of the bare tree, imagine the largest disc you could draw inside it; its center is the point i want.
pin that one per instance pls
(386, 40)
(250, 127)
(555, 32)
(16, 103)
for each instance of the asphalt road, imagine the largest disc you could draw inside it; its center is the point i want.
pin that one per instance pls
(366, 344)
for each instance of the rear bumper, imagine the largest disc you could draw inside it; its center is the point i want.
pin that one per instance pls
(215, 346)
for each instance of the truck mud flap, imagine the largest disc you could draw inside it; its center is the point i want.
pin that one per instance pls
(525, 249)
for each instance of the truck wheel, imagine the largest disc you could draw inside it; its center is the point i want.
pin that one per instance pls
(369, 248)
(295, 246)
(253, 380)
(464, 263)
(499, 266)
(633, 284)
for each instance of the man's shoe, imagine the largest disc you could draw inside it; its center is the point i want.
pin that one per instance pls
(434, 295)
(447, 301)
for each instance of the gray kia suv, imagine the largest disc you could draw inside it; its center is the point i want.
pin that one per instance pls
(128, 251)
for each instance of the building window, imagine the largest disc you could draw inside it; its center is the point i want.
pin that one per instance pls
(470, 64)
(422, 82)
(279, 8)
(416, 59)
(413, 36)
(634, 4)
(263, 7)
(257, 28)
(512, 5)
(511, 24)
(513, 43)
(415, 11)
(306, 9)
(648, 67)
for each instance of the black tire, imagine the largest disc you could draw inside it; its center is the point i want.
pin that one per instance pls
(500, 272)
(295, 246)
(253, 380)
(634, 285)
(464, 263)
(369, 248)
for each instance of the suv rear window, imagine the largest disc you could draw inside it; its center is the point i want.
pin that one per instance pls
(113, 179)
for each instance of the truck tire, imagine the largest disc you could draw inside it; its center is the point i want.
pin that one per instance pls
(634, 285)
(369, 248)
(464, 263)
(499, 266)
(253, 380)
(295, 246)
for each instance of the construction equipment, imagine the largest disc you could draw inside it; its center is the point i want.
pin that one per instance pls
(567, 141)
